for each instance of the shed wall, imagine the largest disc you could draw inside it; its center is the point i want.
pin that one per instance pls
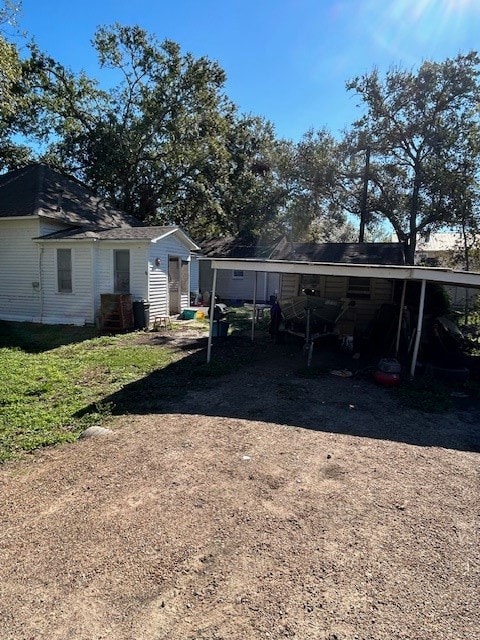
(238, 290)
(194, 275)
(336, 288)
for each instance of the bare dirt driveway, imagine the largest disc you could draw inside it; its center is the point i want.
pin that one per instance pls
(260, 504)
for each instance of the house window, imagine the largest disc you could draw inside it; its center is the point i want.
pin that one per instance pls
(237, 274)
(121, 267)
(64, 270)
(359, 288)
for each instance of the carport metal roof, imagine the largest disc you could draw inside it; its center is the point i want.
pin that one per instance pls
(430, 274)
(404, 273)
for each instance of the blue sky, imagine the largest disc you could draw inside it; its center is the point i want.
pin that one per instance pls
(286, 60)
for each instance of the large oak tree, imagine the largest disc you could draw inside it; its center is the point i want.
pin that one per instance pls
(422, 130)
(164, 143)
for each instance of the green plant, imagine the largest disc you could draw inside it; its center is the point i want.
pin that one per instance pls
(470, 327)
(43, 395)
(240, 319)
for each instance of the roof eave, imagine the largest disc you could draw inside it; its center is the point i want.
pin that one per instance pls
(41, 240)
(394, 272)
(186, 240)
(32, 216)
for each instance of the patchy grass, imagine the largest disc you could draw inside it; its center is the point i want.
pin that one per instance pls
(181, 325)
(57, 381)
(241, 320)
(42, 393)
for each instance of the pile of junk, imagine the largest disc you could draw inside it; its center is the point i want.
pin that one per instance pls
(312, 318)
(444, 353)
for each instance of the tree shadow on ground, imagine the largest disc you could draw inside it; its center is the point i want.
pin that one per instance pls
(37, 338)
(268, 382)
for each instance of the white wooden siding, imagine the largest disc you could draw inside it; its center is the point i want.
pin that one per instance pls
(158, 275)
(289, 285)
(20, 293)
(50, 226)
(157, 281)
(67, 308)
(273, 284)
(336, 288)
(29, 288)
(194, 275)
(235, 289)
(238, 290)
(381, 292)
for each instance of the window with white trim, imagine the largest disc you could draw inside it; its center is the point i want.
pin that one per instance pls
(121, 271)
(237, 274)
(64, 271)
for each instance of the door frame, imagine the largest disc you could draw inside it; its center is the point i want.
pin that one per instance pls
(171, 310)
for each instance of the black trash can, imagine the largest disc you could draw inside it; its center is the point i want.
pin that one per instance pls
(141, 314)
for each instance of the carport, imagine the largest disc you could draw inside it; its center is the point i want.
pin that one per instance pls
(405, 274)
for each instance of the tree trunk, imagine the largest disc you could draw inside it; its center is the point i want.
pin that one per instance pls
(412, 235)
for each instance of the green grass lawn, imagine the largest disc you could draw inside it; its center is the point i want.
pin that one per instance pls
(44, 383)
(53, 378)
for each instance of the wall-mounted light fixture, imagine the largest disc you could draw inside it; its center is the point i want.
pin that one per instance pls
(157, 262)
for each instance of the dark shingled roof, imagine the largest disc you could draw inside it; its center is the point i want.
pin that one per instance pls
(336, 252)
(39, 190)
(341, 252)
(119, 233)
(236, 247)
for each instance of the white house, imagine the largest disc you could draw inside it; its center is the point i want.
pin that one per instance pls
(237, 286)
(62, 249)
(442, 249)
(436, 249)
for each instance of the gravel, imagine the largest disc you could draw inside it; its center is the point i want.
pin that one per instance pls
(258, 505)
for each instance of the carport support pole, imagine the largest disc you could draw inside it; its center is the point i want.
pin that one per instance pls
(254, 312)
(400, 318)
(419, 329)
(211, 314)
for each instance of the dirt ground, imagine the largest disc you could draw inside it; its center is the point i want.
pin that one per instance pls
(259, 504)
